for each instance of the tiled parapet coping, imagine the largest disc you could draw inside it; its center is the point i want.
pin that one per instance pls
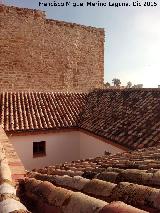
(9, 202)
(50, 198)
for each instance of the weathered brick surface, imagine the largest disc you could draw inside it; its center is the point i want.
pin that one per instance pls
(39, 54)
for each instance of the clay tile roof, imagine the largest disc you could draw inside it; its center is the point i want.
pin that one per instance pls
(129, 117)
(38, 110)
(46, 196)
(136, 183)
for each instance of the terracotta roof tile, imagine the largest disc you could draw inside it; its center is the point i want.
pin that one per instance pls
(99, 188)
(126, 177)
(127, 192)
(129, 117)
(68, 201)
(38, 110)
(83, 203)
(107, 176)
(120, 207)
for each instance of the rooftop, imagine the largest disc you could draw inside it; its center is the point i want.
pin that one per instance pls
(127, 117)
(130, 177)
(41, 192)
(37, 110)
(124, 182)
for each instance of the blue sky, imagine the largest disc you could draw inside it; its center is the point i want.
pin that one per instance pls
(132, 36)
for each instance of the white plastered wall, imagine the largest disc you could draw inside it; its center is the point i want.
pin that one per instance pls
(91, 146)
(60, 147)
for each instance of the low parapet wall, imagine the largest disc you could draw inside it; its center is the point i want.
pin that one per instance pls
(9, 202)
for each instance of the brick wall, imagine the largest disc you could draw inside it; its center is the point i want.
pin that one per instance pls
(46, 55)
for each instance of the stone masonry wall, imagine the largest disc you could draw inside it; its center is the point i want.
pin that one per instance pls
(39, 54)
